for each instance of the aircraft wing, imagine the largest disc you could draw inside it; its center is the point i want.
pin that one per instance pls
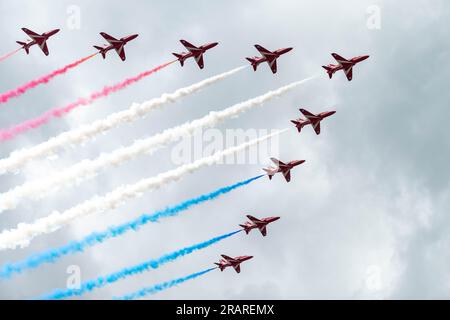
(189, 46)
(263, 230)
(31, 34)
(253, 219)
(340, 59)
(277, 162)
(199, 60)
(316, 126)
(287, 175)
(308, 114)
(44, 47)
(110, 39)
(229, 259)
(349, 72)
(347, 65)
(266, 53)
(273, 65)
(121, 52)
(237, 268)
(39, 39)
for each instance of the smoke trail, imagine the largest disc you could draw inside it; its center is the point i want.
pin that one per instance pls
(82, 134)
(6, 56)
(95, 238)
(88, 168)
(162, 286)
(24, 233)
(89, 286)
(44, 118)
(4, 97)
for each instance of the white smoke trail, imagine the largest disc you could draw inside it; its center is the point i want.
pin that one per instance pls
(19, 158)
(88, 168)
(24, 232)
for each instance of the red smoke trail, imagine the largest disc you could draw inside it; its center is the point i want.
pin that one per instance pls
(11, 132)
(34, 83)
(6, 56)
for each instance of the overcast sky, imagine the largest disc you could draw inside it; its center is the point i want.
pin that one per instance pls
(365, 217)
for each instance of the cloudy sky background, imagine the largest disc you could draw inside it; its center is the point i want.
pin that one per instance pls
(365, 217)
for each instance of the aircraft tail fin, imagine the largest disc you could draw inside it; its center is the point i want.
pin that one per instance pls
(297, 125)
(329, 71)
(245, 228)
(221, 267)
(101, 51)
(253, 63)
(179, 57)
(24, 45)
(269, 173)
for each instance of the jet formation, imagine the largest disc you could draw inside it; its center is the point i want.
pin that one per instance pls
(197, 53)
(254, 223)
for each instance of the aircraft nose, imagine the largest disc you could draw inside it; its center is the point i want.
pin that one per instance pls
(212, 45)
(276, 218)
(51, 33)
(297, 162)
(285, 50)
(331, 112)
(364, 57)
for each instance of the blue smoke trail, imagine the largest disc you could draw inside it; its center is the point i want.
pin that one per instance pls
(162, 286)
(95, 238)
(101, 281)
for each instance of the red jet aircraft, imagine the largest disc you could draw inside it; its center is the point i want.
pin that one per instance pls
(116, 44)
(282, 167)
(196, 52)
(232, 262)
(267, 56)
(39, 39)
(312, 119)
(259, 224)
(343, 64)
